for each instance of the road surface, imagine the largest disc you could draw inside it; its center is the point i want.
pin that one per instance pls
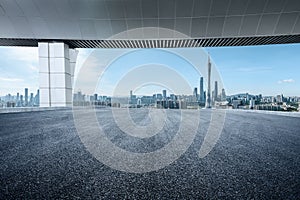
(256, 157)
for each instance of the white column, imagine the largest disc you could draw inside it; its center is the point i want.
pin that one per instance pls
(55, 74)
(73, 57)
(44, 77)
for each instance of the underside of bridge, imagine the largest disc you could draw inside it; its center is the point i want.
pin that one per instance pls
(162, 23)
(161, 43)
(57, 27)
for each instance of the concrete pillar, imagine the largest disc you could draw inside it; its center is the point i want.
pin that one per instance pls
(73, 57)
(55, 74)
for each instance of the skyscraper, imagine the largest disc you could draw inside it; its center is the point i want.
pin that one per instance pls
(195, 94)
(37, 98)
(159, 96)
(95, 97)
(208, 95)
(216, 91)
(31, 99)
(132, 98)
(223, 95)
(201, 91)
(164, 94)
(21, 101)
(18, 99)
(26, 96)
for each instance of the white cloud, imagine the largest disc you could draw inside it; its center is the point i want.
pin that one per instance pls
(81, 58)
(33, 68)
(90, 64)
(254, 69)
(11, 79)
(87, 77)
(286, 81)
(28, 54)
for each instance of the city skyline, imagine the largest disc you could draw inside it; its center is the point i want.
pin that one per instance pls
(21, 99)
(165, 99)
(138, 94)
(19, 69)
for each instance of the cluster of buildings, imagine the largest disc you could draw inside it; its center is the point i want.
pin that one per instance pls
(164, 100)
(161, 100)
(80, 99)
(172, 101)
(20, 100)
(259, 102)
(193, 101)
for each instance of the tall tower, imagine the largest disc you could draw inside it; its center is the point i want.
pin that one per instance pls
(223, 95)
(18, 99)
(21, 101)
(164, 94)
(131, 97)
(195, 94)
(26, 96)
(37, 98)
(31, 99)
(216, 91)
(208, 95)
(201, 91)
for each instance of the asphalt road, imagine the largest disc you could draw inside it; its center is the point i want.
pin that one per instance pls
(256, 157)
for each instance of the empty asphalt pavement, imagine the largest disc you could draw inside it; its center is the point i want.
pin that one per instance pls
(257, 156)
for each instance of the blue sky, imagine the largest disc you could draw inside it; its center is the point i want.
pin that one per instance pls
(178, 70)
(267, 70)
(270, 69)
(18, 69)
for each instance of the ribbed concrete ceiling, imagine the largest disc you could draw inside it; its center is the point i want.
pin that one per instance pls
(83, 23)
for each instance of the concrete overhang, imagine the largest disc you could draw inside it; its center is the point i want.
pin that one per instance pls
(149, 23)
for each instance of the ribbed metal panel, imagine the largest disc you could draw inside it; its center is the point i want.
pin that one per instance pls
(164, 43)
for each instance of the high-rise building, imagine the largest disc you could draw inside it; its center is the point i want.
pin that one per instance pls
(159, 96)
(95, 97)
(164, 94)
(223, 96)
(279, 98)
(173, 97)
(26, 96)
(21, 101)
(18, 100)
(201, 91)
(195, 95)
(132, 98)
(247, 97)
(252, 103)
(208, 95)
(216, 91)
(154, 97)
(31, 99)
(37, 98)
